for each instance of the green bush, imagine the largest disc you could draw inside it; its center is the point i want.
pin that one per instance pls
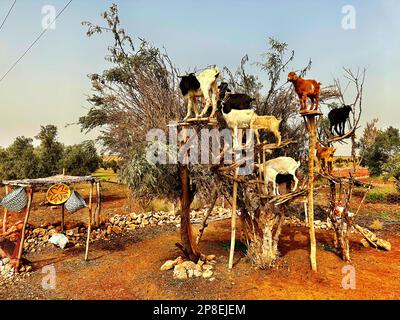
(376, 196)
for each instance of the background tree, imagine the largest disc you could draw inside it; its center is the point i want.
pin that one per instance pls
(49, 152)
(385, 147)
(80, 159)
(19, 160)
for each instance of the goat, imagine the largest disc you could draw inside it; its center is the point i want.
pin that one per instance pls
(238, 101)
(281, 165)
(305, 89)
(268, 123)
(204, 85)
(324, 158)
(337, 119)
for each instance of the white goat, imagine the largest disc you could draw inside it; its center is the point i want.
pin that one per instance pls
(203, 85)
(268, 123)
(281, 165)
(238, 119)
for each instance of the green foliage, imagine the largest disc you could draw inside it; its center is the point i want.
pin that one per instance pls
(80, 159)
(19, 160)
(149, 180)
(376, 196)
(50, 151)
(381, 154)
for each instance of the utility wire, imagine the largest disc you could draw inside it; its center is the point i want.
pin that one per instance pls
(8, 13)
(34, 42)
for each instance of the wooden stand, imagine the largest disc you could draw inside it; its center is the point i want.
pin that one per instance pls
(312, 130)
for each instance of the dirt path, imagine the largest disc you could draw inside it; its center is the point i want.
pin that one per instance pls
(128, 268)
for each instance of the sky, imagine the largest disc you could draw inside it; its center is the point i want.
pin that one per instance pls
(50, 85)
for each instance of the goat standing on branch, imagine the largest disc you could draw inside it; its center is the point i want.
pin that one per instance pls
(202, 86)
(337, 119)
(305, 89)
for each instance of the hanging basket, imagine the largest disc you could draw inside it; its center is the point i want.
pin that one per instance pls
(15, 201)
(75, 202)
(58, 194)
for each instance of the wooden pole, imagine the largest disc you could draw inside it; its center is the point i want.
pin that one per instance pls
(188, 245)
(310, 205)
(5, 213)
(204, 222)
(27, 212)
(89, 222)
(62, 218)
(98, 204)
(234, 203)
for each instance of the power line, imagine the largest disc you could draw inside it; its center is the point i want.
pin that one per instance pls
(34, 42)
(8, 13)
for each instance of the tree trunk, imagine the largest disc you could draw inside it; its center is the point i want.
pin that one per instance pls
(188, 245)
(261, 230)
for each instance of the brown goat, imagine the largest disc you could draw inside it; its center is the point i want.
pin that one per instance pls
(305, 89)
(324, 158)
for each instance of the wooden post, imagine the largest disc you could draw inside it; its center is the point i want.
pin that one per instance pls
(98, 204)
(204, 222)
(310, 208)
(5, 214)
(62, 217)
(188, 245)
(89, 222)
(234, 203)
(27, 212)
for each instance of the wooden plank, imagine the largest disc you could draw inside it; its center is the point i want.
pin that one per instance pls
(5, 213)
(27, 213)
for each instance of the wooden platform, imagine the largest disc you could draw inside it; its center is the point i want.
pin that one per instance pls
(310, 113)
(191, 121)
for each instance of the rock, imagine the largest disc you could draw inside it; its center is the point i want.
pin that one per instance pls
(178, 260)
(212, 279)
(210, 257)
(207, 267)
(188, 265)
(180, 272)
(6, 261)
(207, 274)
(52, 232)
(200, 262)
(197, 273)
(116, 230)
(168, 265)
(69, 233)
(317, 222)
(109, 230)
(190, 273)
(39, 232)
(28, 269)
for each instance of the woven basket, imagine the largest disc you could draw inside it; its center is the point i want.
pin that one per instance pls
(75, 202)
(15, 201)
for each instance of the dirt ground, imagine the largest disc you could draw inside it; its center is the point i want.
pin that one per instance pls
(128, 267)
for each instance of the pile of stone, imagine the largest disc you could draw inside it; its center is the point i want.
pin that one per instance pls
(183, 270)
(318, 224)
(38, 238)
(120, 223)
(7, 271)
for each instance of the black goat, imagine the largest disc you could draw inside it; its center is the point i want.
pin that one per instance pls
(188, 83)
(229, 101)
(337, 118)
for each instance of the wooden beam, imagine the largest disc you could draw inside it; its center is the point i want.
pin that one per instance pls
(310, 207)
(5, 212)
(89, 222)
(27, 212)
